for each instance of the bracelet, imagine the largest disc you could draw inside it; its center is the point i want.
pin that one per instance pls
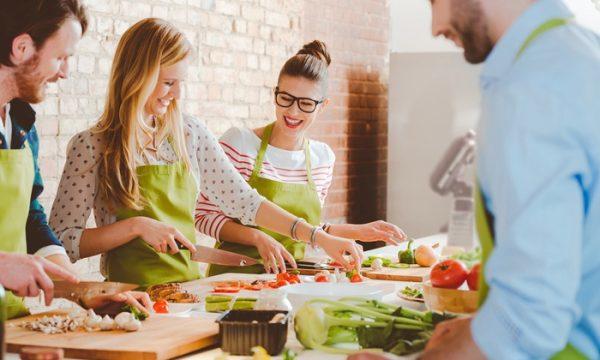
(294, 226)
(313, 236)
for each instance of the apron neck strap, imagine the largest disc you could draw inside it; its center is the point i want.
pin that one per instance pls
(540, 30)
(258, 163)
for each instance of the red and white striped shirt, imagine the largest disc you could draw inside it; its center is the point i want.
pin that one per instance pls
(241, 145)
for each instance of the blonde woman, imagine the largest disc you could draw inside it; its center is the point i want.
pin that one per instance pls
(142, 166)
(283, 165)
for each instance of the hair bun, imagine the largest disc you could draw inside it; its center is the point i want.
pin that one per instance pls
(316, 48)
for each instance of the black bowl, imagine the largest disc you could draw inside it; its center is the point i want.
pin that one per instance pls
(241, 330)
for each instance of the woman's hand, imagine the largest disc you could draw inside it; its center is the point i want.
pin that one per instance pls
(112, 304)
(337, 248)
(273, 253)
(375, 231)
(162, 237)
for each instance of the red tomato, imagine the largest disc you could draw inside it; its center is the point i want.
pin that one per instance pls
(282, 277)
(226, 289)
(449, 274)
(356, 278)
(161, 307)
(281, 283)
(321, 278)
(473, 277)
(292, 278)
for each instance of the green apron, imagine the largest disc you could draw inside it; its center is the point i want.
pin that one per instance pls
(302, 200)
(168, 191)
(485, 220)
(16, 181)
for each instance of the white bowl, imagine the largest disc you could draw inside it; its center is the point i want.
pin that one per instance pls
(300, 293)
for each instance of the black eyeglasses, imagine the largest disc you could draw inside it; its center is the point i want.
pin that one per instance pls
(286, 100)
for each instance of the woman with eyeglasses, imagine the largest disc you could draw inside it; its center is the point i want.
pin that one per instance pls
(142, 166)
(286, 167)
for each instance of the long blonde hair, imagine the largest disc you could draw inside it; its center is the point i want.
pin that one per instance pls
(142, 50)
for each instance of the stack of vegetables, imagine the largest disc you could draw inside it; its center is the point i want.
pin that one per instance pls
(320, 324)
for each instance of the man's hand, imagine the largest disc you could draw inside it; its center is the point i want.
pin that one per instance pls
(453, 340)
(112, 304)
(27, 275)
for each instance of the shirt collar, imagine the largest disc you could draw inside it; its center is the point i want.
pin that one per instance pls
(22, 114)
(506, 49)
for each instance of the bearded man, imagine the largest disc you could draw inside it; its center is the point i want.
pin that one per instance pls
(37, 38)
(538, 204)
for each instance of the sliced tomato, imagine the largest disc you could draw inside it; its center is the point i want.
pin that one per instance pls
(254, 287)
(161, 307)
(356, 278)
(321, 278)
(226, 289)
(281, 283)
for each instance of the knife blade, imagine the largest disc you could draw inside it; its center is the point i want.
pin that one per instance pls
(214, 256)
(89, 289)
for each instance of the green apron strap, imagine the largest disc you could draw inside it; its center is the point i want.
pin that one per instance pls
(548, 25)
(309, 178)
(258, 163)
(486, 240)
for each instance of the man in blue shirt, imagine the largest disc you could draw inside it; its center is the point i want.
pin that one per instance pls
(539, 174)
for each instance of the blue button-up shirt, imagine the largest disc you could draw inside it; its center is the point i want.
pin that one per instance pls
(539, 170)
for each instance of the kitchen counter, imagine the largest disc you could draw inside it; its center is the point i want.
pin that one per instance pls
(293, 343)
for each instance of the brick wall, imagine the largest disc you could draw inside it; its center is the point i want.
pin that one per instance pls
(241, 46)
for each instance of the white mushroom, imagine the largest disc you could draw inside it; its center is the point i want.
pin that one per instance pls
(107, 323)
(123, 318)
(132, 325)
(93, 321)
(377, 264)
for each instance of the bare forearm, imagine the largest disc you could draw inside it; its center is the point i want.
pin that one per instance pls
(342, 230)
(62, 261)
(274, 218)
(105, 238)
(233, 232)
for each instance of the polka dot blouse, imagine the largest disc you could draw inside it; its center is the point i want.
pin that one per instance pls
(215, 175)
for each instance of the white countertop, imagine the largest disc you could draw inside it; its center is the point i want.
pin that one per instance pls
(293, 343)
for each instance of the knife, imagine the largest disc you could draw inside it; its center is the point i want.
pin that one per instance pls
(89, 289)
(211, 255)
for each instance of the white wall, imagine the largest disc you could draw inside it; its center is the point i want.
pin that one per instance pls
(410, 28)
(410, 24)
(433, 97)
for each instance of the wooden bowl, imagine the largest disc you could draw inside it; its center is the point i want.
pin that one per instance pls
(450, 300)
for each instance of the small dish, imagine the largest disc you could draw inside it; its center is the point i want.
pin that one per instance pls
(241, 330)
(459, 301)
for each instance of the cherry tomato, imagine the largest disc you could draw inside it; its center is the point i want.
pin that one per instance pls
(281, 283)
(321, 278)
(293, 279)
(226, 289)
(449, 274)
(473, 277)
(282, 277)
(161, 307)
(356, 278)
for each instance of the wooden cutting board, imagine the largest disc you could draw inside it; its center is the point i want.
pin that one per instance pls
(412, 274)
(161, 337)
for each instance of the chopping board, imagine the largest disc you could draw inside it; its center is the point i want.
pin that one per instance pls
(161, 337)
(411, 274)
